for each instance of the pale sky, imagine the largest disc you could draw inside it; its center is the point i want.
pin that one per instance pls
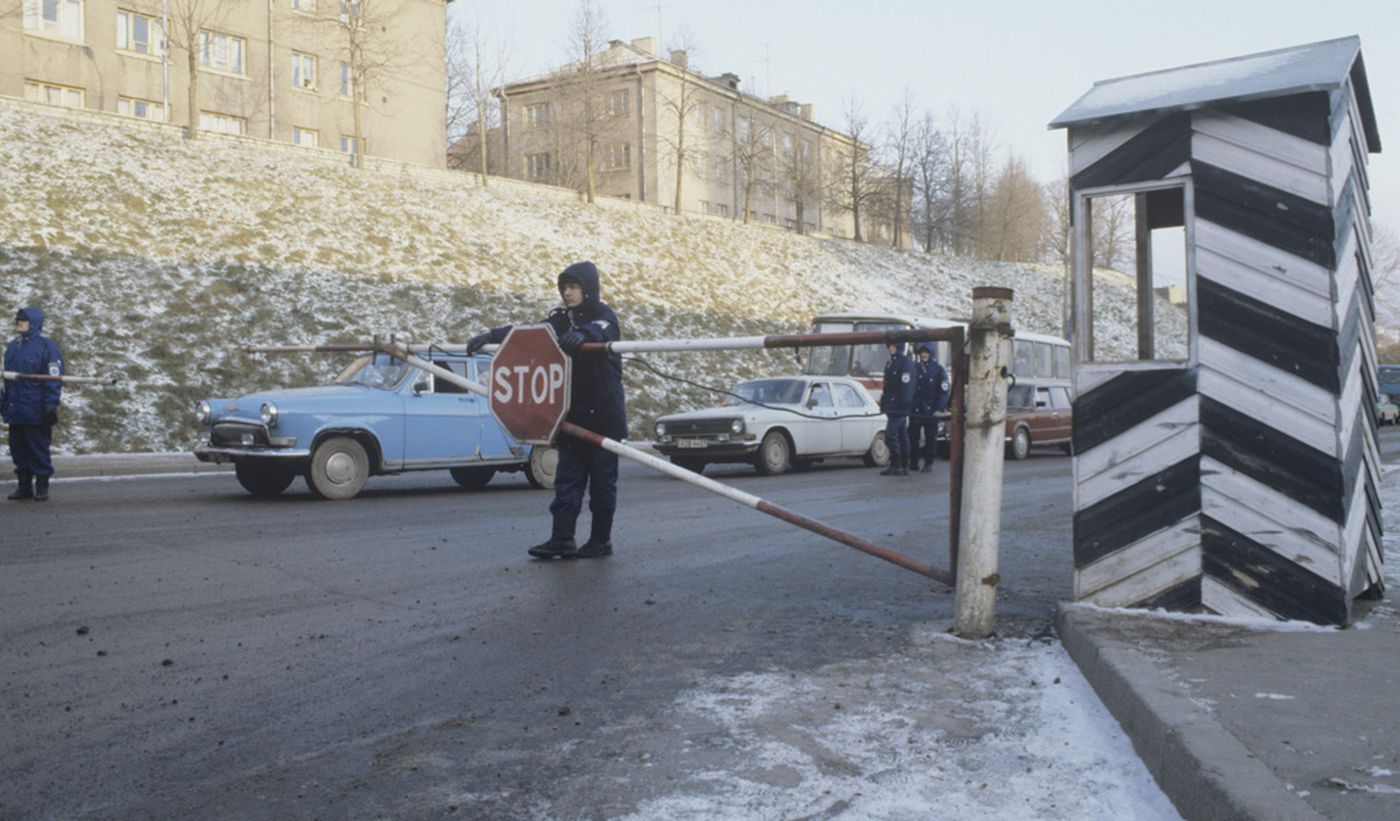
(1019, 62)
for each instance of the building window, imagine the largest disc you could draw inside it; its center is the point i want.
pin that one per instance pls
(349, 146)
(537, 115)
(723, 210)
(348, 9)
(346, 84)
(303, 70)
(305, 137)
(140, 109)
(222, 123)
(804, 150)
(719, 167)
(537, 166)
(617, 103)
(787, 145)
(138, 33)
(37, 91)
(745, 129)
(304, 6)
(222, 52)
(619, 156)
(56, 18)
(717, 120)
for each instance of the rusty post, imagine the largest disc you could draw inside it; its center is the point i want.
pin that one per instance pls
(957, 424)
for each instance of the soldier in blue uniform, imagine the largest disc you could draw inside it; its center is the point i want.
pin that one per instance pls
(595, 402)
(930, 397)
(896, 401)
(31, 408)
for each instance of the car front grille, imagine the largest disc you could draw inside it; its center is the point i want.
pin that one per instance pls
(235, 434)
(698, 427)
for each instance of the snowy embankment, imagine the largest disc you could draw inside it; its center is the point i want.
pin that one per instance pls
(157, 259)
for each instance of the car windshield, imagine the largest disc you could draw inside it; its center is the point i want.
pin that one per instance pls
(768, 392)
(377, 371)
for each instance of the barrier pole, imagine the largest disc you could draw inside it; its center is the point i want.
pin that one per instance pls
(67, 380)
(974, 608)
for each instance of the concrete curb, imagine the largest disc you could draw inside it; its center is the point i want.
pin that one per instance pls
(1204, 769)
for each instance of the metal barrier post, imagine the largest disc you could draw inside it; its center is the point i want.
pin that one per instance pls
(974, 612)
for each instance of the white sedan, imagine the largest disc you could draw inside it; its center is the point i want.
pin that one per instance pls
(777, 424)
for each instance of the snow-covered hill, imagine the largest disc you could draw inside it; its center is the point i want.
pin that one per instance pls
(157, 259)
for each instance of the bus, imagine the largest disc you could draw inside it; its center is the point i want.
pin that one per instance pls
(1043, 358)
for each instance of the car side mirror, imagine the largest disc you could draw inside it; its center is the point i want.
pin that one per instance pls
(811, 402)
(421, 386)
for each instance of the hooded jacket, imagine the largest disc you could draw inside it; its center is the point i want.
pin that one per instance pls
(596, 399)
(24, 403)
(930, 384)
(897, 398)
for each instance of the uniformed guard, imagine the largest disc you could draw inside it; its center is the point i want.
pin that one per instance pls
(31, 408)
(595, 402)
(930, 397)
(896, 401)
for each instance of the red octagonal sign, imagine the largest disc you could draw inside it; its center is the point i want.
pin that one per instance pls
(530, 384)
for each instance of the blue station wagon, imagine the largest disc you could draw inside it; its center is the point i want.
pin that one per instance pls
(380, 416)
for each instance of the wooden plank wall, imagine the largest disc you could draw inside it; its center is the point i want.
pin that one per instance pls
(1244, 483)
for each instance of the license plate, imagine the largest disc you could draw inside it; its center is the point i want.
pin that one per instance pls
(691, 443)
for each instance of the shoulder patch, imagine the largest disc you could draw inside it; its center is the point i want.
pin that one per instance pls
(55, 368)
(904, 378)
(602, 323)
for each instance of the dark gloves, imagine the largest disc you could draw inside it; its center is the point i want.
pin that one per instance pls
(478, 342)
(571, 340)
(51, 415)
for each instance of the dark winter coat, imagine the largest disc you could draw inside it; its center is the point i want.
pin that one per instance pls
(930, 384)
(24, 403)
(596, 400)
(897, 398)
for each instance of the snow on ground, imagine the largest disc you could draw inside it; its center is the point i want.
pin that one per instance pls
(949, 729)
(157, 259)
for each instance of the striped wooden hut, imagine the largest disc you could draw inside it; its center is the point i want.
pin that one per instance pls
(1231, 466)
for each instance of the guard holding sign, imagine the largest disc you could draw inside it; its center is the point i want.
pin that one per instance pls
(596, 403)
(31, 408)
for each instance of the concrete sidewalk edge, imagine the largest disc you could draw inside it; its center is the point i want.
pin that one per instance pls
(1204, 770)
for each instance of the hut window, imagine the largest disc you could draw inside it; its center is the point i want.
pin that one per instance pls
(1139, 255)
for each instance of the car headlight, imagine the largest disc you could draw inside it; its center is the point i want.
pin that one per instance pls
(203, 413)
(737, 426)
(268, 414)
(660, 428)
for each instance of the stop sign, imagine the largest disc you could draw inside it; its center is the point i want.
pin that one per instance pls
(530, 384)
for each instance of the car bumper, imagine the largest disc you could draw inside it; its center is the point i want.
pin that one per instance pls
(715, 450)
(221, 455)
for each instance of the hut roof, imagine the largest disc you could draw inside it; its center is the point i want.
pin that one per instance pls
(1323, 66)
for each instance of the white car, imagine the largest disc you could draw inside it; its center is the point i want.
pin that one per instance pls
(780, 423)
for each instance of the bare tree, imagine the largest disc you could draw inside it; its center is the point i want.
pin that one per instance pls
(753, 158)
(899, 155)
(981, 145)
(929, 179)
(190, 24)
(1385, 256)
(1112, 222)
(365, 36)
(682, 105)
(476, 63)
(799, 165)
(853, 190)
(1058, 229)
(583, 123)
(1015, 213)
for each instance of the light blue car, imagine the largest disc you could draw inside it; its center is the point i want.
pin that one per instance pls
(381, 415)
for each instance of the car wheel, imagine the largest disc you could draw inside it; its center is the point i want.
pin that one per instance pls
(1020, 446)
(339, 468)
(472, 478)
(263, 481)
(774, 454)
(879, 454)
(540, 468)
(690, 463)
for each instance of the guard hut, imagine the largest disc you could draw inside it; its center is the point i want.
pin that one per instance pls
(1225, 455)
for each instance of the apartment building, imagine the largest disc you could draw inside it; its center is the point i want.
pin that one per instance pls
(276, 69)
(655, 125)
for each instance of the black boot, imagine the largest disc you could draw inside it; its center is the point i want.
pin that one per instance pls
(599, 538)
(927, 468)
(26, 486)
(41, 488)
(561, 539)
(892, 470)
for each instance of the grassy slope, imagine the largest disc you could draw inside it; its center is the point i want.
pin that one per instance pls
(156, 259)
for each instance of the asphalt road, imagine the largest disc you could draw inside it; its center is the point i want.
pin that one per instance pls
(171, 645)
